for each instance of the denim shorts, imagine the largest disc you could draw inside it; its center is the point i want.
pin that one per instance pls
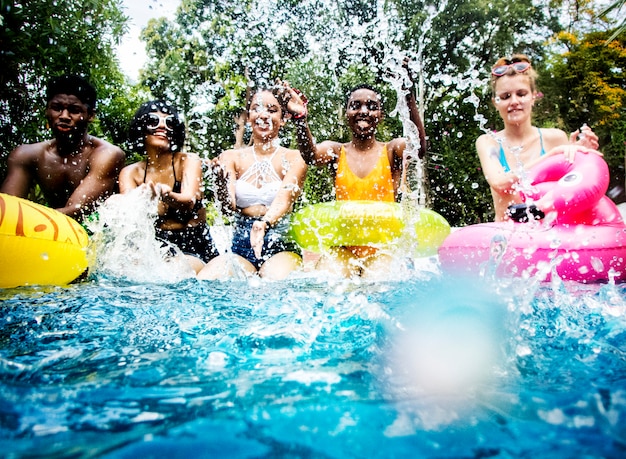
(276, 240)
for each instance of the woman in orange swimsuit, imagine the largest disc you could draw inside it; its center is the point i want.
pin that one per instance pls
(365, 168)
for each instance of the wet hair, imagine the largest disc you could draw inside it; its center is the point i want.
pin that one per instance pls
(137, 131)
(352, 90)
(530, 73)
(74, 85)
(275, 91)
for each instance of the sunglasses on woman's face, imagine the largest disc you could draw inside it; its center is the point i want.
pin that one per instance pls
(153, 121)
(519, 67)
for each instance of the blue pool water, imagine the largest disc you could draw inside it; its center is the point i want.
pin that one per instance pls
(425, 366)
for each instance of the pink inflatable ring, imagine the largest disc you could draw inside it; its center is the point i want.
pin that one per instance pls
(583, 239)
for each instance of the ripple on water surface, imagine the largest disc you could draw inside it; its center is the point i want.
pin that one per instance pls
(428, 366)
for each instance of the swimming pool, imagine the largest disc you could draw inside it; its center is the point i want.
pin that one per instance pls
(423, 366)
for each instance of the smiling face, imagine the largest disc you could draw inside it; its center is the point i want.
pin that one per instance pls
(514, 98)
(364, 112)
(159, 130)
(67, 115)
(265, 115)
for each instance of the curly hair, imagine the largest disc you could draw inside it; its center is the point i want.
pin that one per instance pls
(138, 130)
(74, 85)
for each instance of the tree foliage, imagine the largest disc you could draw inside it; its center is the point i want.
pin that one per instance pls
(44, 38)
(214, 52)
(615, 8)
(585, 85)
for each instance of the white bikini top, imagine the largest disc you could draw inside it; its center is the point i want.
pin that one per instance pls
(263, 187)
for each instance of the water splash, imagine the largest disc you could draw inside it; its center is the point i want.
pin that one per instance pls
(124, 243)
(412, 180)
(399, 64)
(221, 229)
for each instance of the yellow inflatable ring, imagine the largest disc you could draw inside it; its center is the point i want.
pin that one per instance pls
(362, 223)
(38, 245)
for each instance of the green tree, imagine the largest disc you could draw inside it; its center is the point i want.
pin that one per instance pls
(43, 38)
(206, 58)
(585, 84)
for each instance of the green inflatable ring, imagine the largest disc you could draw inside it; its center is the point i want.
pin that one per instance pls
(363, 223)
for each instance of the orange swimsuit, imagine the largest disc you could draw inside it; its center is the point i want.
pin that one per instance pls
(376, 186)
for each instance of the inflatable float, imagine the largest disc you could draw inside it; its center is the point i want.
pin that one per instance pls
(364, 223)
(38, 245)
(581, 238)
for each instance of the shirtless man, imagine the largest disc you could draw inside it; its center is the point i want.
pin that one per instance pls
(74, 169)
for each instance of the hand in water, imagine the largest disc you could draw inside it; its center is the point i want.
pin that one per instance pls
(158, 193)
(161, 192)
(152, 188)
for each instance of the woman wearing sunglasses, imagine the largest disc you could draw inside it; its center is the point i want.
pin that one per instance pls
(505, 154)
(174, 178)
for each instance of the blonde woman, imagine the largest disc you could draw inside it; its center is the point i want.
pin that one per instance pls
(520, 145)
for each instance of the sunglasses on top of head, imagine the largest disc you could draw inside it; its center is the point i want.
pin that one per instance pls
(519, 67)
(153, 121)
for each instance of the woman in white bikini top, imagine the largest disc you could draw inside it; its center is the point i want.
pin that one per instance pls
(263, 182)
(259, 184)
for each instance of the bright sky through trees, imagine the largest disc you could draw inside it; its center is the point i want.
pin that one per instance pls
(131, 52)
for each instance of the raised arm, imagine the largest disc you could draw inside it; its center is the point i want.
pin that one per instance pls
(306, 144)
(415, 117)
(414, 113)
(296, 104)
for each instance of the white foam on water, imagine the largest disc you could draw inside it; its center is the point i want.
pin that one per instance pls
(124, 243)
